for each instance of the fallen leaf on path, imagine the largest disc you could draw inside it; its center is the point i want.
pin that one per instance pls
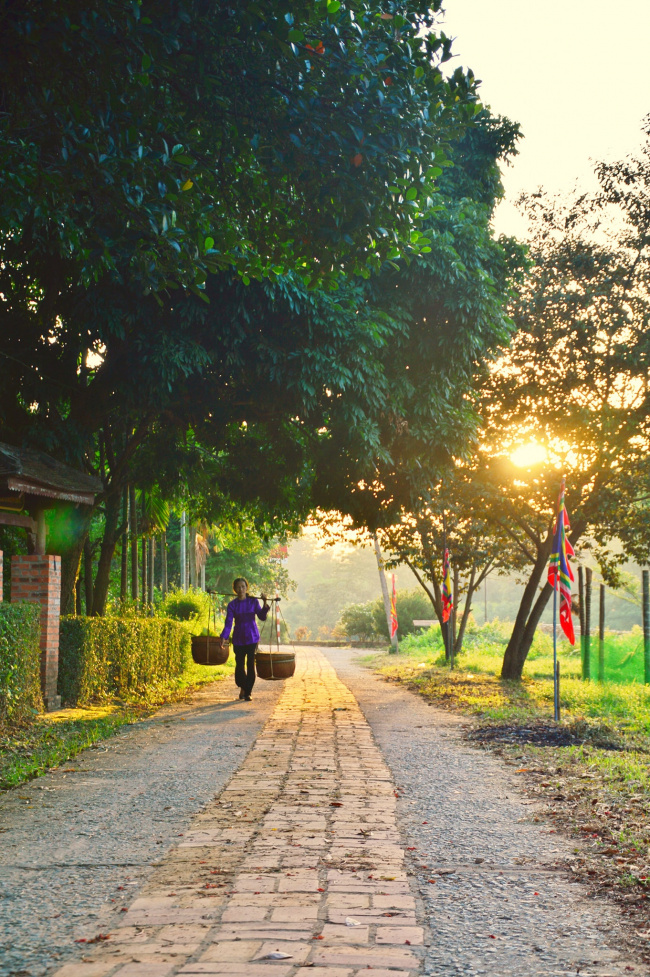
(349, 921)
(276, 955)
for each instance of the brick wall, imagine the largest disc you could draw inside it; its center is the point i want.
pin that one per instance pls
(37, 579)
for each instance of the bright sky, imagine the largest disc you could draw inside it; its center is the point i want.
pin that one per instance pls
(574, 73)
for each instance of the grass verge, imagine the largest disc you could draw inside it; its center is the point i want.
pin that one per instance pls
(591, 771)
(29, 749)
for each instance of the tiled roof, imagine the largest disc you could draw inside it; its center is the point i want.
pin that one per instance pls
(34, 467)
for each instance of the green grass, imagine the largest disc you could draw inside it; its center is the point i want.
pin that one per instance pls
(476, 687)
(29, 749)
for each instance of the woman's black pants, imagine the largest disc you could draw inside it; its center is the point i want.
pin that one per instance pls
(245, 667)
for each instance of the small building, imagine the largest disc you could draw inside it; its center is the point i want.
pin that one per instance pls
(32, 482)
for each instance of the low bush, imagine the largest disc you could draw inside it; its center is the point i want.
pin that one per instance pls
(369, 620)
(125, 657)
(191, 606)
(20, 661)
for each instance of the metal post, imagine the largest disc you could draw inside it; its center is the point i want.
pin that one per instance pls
(646, 627)
(601, 635)
(557, 690)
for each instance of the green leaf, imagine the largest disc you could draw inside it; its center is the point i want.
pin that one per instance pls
(146, 62)
(333, 6)
(208, 243)
(411, 194)
(296, 36)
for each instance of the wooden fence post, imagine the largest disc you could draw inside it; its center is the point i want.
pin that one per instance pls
(581, 600)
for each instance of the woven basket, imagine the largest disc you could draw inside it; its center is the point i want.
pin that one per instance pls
(275, 665)
(207, 650)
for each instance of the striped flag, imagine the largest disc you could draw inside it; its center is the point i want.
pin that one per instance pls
(447, 596)
(559, 568)
(393, 611)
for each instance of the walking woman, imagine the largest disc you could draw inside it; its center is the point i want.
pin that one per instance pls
(243, 610)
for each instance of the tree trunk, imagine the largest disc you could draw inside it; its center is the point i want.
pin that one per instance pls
(70, 547)
(109, 542)
(144, 549)
(163, 564)
(194, 578)
(521, 638)
(150, 571)
(124, 554)
(144, 546)
(384, 589)
(183, 559)
(133, 529)
(88, 577)
(471, 587)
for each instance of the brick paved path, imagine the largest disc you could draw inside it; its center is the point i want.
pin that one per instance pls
(299, 856)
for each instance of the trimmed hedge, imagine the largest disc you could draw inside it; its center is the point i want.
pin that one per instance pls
(101, 657)
(20, 661)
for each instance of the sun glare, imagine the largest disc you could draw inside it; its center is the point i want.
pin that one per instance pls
(526, 455)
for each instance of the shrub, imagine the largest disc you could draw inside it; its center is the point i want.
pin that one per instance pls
(106, 656)
(20, 661)
(302, 633)
(191, 606)
(369, 620)
(357, 620)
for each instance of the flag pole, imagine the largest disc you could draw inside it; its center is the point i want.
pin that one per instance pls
(556, 704)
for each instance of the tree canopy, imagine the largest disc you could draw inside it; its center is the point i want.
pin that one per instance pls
(256, 155)
(164, 141)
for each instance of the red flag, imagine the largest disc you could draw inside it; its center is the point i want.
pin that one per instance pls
(393, 611)
(559, 568)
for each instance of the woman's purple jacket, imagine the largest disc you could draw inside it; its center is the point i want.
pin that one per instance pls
(243, 612)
